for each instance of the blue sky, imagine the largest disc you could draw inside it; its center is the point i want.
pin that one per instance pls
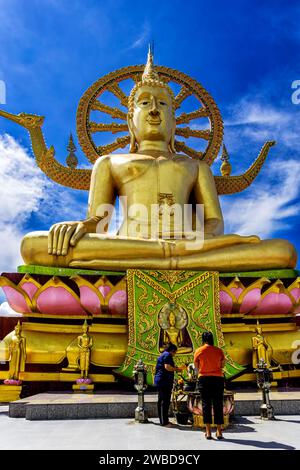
(246, 53)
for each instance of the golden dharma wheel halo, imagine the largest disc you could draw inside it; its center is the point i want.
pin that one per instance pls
(91, 101)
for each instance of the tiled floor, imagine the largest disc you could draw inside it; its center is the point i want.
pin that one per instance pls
(108, 434)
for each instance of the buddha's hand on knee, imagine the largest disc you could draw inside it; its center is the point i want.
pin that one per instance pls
(251, 239)
(65, 234)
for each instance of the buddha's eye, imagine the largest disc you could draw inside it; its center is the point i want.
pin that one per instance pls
(145, 103)
(163, 103)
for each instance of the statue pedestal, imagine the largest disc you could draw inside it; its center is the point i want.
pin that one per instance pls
(57, 301)
(83, 388)
(10, 393)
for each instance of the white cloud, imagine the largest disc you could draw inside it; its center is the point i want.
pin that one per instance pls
(22, 183)
(143, 38)
(270, 204)
(7, 311)
(22, 187)
(24, 190)
(249, 111)
(253, 118)
(10, 240)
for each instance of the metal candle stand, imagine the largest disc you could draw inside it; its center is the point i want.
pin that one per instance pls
(264, 378)
(140, 384)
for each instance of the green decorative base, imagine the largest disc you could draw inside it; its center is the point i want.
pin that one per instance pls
(270, 274)
(52, 271)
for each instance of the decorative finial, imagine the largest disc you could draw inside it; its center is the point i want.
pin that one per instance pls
(226, 166)
(72, 160)
(149, 72)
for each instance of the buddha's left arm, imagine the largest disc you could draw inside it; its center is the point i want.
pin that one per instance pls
(206, 194)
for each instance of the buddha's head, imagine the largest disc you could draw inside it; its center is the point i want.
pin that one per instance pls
(85, 327)
(258, 328)
(151, 110)
(18, 328)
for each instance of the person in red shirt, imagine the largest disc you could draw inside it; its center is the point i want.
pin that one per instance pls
(210, 361)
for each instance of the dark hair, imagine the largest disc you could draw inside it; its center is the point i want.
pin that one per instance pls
(170, 347)
(207, 337)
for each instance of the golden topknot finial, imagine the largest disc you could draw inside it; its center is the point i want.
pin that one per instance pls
(149, 77)
(149, 72)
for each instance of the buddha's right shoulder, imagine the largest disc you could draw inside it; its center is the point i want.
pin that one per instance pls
(103, 162)
(104, 159)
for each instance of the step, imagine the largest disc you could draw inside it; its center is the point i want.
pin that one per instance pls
(51, 406)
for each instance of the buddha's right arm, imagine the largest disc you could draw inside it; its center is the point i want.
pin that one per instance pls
(206, 194)
(101, 195)
(101, 199)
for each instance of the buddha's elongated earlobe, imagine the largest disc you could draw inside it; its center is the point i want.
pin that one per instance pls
(133, 144)
(172, 141)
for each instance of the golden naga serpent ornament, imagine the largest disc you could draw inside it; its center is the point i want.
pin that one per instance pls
(90, 102)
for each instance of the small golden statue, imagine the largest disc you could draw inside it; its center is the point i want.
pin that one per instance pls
(85, 343)
(17, 353)
(261, 348)
(173, 321)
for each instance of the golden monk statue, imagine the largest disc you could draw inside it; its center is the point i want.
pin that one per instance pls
(261, 349)
(172, 334)
(151, 175)
(85, 343)
(173, 327)
(17, 354)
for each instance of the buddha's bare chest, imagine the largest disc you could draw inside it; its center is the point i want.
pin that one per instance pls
(154, 174)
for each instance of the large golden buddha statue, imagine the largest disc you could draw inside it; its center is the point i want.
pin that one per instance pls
(152, 175)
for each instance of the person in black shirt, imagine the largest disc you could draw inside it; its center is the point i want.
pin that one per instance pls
(164, 377)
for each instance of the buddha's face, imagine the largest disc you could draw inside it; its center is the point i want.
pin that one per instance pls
(172, 319)
(152, 116)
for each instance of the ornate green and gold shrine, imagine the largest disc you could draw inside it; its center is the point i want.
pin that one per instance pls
(176, 307)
